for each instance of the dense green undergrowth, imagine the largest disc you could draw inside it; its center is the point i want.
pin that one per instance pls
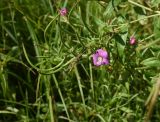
(46, 68)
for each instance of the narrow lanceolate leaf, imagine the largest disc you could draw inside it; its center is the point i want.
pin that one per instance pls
(151, 62)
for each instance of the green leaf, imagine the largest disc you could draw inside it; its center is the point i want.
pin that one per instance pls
(139, 10)
(84, 15)
(151, 62)
(119, 39)
(127, 110)
(120, 44)
(157, 26)
(111, 7)
(155, 3)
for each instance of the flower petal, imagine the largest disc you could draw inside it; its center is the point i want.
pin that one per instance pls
(132, 40)
(95, 58)
(102, 53)
(63, 11)
(100, 57)
(105, 61)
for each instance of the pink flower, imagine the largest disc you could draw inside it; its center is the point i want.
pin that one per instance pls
(100, 57)
(132, 41)
(63, 11)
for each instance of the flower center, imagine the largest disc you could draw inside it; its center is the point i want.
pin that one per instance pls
(99, 60)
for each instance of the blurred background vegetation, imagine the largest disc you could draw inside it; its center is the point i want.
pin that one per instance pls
(46, 69)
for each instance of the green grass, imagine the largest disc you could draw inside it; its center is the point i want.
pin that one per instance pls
(46, 69)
